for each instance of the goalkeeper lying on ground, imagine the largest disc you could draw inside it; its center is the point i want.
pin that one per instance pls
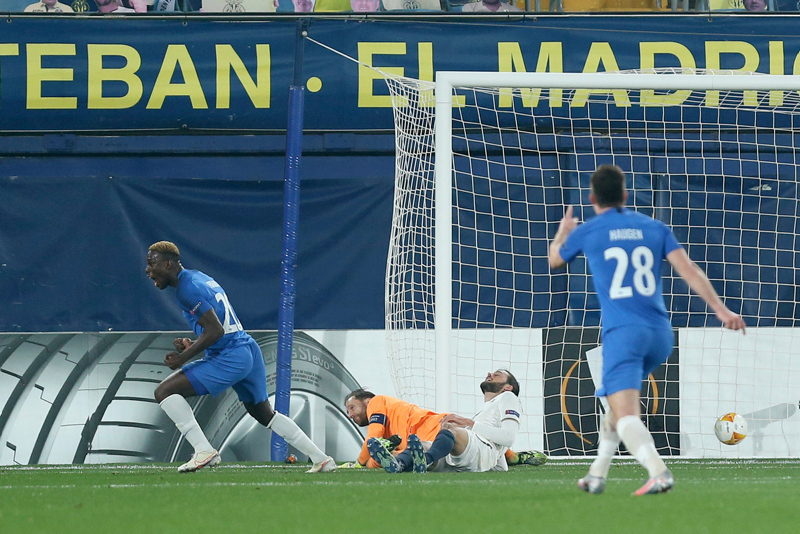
(461, 444)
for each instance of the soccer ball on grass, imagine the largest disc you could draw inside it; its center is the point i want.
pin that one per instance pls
(731, 428)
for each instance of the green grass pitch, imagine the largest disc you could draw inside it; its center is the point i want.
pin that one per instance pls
(709, 496)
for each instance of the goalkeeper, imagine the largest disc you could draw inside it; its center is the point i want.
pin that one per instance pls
(385, 417)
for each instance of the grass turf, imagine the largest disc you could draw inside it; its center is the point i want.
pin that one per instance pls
(718, 496)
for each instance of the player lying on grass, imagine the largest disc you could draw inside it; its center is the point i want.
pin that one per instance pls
(465, 444)
(625, 251)
(462, 444)
(386, 416)
(232, 360)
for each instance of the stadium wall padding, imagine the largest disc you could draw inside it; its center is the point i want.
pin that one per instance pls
(88, 398)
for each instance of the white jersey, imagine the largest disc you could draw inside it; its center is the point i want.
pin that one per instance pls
(504, 406)
(484, 452)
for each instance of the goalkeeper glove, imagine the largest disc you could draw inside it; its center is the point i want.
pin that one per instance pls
(351, 465)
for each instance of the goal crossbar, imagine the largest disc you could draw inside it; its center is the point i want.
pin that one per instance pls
(723, 81)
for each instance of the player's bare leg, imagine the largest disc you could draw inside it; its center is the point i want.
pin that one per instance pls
(293, 434)
(175, 384)
(625, 405)
(171, 395)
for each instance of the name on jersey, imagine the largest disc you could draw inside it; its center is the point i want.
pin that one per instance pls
(212, 283)
(625, 234)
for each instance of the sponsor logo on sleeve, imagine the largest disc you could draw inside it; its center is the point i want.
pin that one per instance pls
(196, 307)
(378, 418)
(512, 412)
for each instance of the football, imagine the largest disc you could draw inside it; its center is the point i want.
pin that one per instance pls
(731, 428)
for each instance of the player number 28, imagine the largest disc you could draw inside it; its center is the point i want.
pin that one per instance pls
(643, 279)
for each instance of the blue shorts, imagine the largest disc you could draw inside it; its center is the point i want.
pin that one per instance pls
(631, 353)
(241, 368)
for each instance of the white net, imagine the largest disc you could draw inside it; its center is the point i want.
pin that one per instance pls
(719, 167)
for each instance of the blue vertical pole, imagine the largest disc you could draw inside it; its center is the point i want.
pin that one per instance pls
(291, 216)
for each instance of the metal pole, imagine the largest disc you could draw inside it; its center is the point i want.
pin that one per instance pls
(291, 217)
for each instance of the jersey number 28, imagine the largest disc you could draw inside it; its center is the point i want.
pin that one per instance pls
(644, 281)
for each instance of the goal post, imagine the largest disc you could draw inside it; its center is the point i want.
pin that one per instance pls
(484, 170)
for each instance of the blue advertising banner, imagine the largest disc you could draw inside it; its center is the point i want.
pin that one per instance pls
(73, 250)
(78, 216)
(188, 74)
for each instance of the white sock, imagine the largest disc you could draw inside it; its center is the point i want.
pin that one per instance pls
(640, 443)
(606, 448)
(294, 436)
(176, 407)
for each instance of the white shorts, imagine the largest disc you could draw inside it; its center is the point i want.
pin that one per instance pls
(479, 456)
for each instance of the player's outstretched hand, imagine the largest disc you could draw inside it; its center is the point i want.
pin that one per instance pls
(174, 360)
(731, 320)
(182, 343)
(568, 223)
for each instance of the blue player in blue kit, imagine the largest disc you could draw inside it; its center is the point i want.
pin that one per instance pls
(232, 359)
(625, 250)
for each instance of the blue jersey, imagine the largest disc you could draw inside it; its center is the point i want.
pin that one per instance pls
(197, 293)
(625, 250)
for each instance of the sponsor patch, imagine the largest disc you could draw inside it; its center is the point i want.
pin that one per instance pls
(196, 306)
(378, 418)
(512, 412)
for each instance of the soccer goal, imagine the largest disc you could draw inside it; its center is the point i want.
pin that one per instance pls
(487, 162)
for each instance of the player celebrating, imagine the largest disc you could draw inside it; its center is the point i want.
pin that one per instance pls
(232, 359)
(625, 250)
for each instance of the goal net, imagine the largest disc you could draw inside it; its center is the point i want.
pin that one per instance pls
(485, 169)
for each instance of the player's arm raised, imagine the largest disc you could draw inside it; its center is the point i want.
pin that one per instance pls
(565, 227)
(699, 282)
(212, 331)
